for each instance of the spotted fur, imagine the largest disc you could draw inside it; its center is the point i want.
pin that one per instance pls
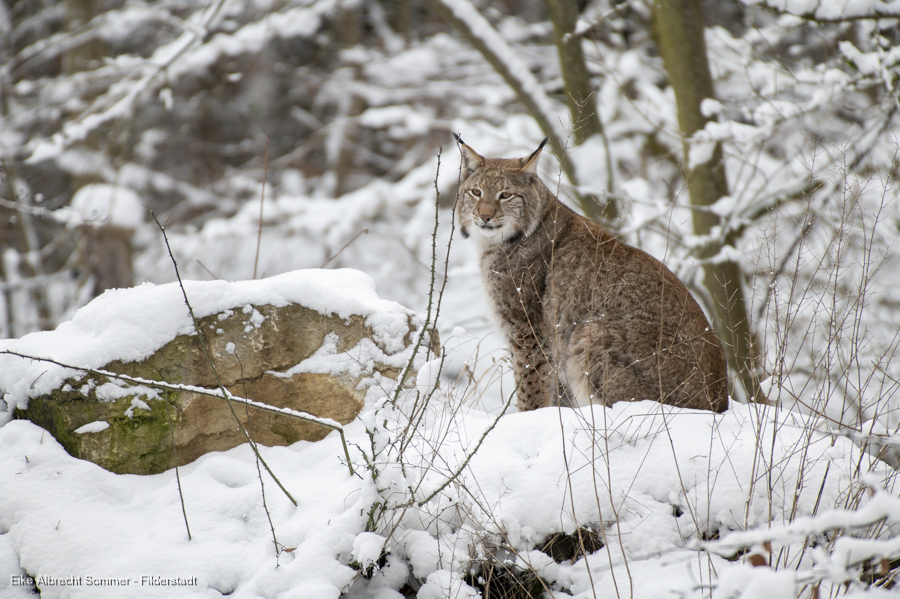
(588, 318)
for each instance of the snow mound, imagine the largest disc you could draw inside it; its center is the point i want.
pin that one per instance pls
(648, 475)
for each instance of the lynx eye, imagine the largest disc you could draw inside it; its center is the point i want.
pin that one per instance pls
(475, 192)
(506, 195)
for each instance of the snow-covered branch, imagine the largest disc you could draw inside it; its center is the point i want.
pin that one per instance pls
(833, 11)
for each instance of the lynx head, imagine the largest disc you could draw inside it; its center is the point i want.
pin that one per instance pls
(501, 199)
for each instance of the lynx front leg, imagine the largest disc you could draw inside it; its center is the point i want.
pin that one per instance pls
(533, 373)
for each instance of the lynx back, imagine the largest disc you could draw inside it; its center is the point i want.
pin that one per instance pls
(588, 318)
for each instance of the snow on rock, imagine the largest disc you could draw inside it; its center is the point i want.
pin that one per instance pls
(302, 371)
(92, 427)
(131, 324)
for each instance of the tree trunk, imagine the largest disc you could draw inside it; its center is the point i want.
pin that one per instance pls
(580, 95)
(108, 257)
(84, 56)
(679, 30)
(463, 17)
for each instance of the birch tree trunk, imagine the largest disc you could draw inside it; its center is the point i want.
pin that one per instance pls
(680, 37)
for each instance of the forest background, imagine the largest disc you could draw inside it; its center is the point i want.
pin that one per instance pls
(750, 144)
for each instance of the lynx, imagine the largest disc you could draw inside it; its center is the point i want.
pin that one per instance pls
(588, 318)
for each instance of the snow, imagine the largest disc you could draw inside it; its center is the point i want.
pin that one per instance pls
(131, 324)
(833, 9)
(428, 375)
(99, 204)
(367, 548)
(66, 517)
(137, 404)
(354, 362)
(92, 427)
(868, 63)
(483, 31)
(113, 390)
(700, 153)
(627, 470)
(398, 119)
(445, 584)
(656, 480)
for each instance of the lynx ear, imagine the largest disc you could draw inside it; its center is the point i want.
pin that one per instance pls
(471, 160)
(530, 164)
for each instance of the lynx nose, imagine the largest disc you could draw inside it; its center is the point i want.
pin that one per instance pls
(486, 217)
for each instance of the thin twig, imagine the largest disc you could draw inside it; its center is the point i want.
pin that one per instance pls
(346, 245)
(326, 422)
(177, 474)
(262, 484)
(421, 409)
(212, 366)
(425, 330)
(437, 202)
(211, 273)
(472, 453)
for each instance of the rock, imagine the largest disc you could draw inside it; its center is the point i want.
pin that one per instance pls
(289, 356)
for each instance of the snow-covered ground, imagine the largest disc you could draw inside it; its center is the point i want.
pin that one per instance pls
(651, 476)
(427, 503)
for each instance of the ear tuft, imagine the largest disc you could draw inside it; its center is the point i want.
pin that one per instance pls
(530, 164)
(471, 161)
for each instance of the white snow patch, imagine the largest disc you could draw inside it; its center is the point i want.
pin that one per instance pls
(99, 204)
(700, 153)
(868, 63)
(109, 392)
(65, 515)
(131, 324)
(138, 404)
(446, 583)
(367, 547)
(358, 361)
(711, 107)
(92, 427)
(428, 374)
